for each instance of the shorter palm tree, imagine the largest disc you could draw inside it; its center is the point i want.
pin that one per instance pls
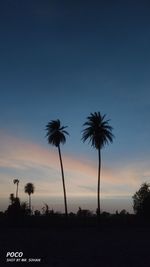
(29, 189)
(16, 181)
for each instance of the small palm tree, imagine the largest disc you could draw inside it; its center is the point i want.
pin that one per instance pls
(56, 136)
(16, 181)
(29, 189)
(99, 133)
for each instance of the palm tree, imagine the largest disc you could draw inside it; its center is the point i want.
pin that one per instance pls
(29, 189)
(99, 133)
(16, 181)
(56, 136)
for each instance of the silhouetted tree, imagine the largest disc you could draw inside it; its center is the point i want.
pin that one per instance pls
(12, 198)
(46, 211)
(99, 133)
(14, 208)
(16, 181)
(123, 212)
(141, 200)
(24, 209)
(56, 136)
(105, 215)
(37, 213)
(146, 207)
(29, 189)
(84, 213)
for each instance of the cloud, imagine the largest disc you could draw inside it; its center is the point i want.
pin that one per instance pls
(31, 162)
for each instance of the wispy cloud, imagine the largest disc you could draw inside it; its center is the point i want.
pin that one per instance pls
(29, 161)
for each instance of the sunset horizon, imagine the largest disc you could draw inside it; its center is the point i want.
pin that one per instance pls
(65, 61)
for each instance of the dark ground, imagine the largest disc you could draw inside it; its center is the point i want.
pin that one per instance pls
(78, 246)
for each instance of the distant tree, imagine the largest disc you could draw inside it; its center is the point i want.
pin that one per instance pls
(14, 208)
(37, 213)
(56, 136)
(72, 215)
(29, 189)
(105, 214)
(24, 209)
(99, 133)
(141, 200)
(12, 198)
(46, 211)
(123, 212)
(16, 181)
(84, 213)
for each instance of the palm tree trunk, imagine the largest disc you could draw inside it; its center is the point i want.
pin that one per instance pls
(17, 191)
(98, 187)
(30, 203)
(63, 181)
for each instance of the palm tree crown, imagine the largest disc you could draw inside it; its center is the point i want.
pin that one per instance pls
(98, 131)
(56, 133)
(16, 181)
(29, 188)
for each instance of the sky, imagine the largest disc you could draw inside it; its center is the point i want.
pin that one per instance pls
(64, 60)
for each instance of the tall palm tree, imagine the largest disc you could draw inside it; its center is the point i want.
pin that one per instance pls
(56, 136)
(16, 181)
(29, 189)
(99, 133)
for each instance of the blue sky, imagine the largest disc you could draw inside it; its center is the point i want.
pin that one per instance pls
(65, 59)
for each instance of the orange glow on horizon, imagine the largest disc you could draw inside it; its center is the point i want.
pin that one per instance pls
(33, 162)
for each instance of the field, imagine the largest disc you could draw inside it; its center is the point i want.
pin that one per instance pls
(78, 246)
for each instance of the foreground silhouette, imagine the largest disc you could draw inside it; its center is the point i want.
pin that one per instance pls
(141, 201)
(79, 246)
(99, 133)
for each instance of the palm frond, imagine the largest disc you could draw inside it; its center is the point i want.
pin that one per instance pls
(98, 132)
(56, 133)
(15, 181)
(29, 188)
